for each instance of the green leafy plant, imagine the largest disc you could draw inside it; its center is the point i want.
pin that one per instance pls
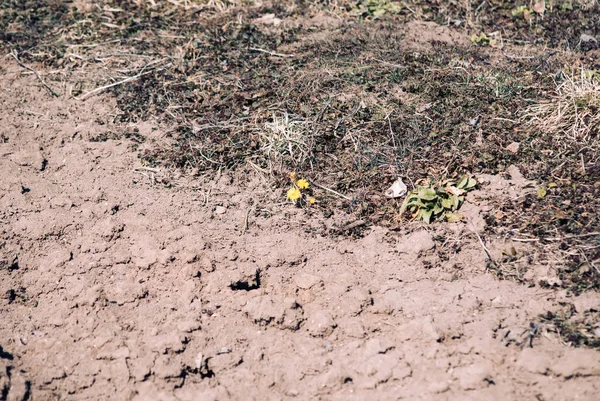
(521, 10)
(377, 8)
(483, 39)
(438, 202)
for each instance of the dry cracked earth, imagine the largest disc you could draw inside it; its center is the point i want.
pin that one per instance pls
(116, 286)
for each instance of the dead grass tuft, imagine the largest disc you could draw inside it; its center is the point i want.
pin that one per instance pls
(587, 4)
(288, 139)
(219, 5)
(573, 111)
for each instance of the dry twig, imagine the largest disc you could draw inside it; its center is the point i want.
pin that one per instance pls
(257, 49)
(16, 57)
(129, 79)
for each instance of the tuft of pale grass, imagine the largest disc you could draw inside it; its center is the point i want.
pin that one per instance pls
(573, 111)
(286, 140)
(587, 4)
(219, 5)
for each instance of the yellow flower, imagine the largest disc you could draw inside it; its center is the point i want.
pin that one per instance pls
(302, 184)
(294, 194)
(293, 176)
(312, 201)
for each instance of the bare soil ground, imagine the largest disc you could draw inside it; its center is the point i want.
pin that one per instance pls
(135, 265)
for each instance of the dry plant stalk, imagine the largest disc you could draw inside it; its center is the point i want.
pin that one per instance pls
(573, 111)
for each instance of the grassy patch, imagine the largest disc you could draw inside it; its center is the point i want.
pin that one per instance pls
(573, 112)
(350, 103)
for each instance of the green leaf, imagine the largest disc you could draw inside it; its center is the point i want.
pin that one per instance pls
(447, 203)
(471, 183)
(426, 215)
(378, 12)
(404, 205)
(412, 201)
(464, 180)
(455, 202)
(541, 193)
(427, 194)
(438, 208)
(453, 217)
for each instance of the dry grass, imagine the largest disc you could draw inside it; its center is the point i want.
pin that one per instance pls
(286, 138)
(573, 111)
(196, 4)
(587, 4)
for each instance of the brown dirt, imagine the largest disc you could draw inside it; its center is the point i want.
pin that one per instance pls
(121, 282)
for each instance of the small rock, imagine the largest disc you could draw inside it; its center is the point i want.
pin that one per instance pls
(223, 362)
(145, 260)
(498, 302)
(515, 173)
(166, 342)
(165, 257)
(246, 278)
(124, 292)
(139, 367)
(205, 263)
(109, 228)
(61, 201)
(263, 310)
(268, 19)
(189, 256)
(513, 147)
(415, 243)
(420, 328)
(473, 377)
(188, 326)
(375, 346)
(321, 324)
(49, 374)
(191, 271)
(30, 157)
(376, 369)
(305, 280)
(220, 210)
(585, 38)
(550, 281)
